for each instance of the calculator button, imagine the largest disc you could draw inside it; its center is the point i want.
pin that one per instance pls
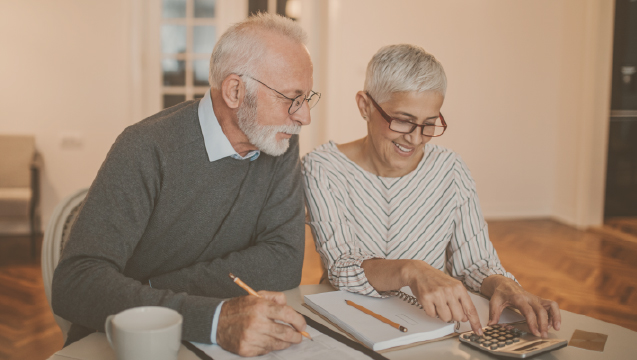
(502, 338)
(487, 328)
(486, 344)
(501, 344)
(488, 338)
(493, 347)
(509, 342)
(508, 336)
(516, 340)
(466, 336)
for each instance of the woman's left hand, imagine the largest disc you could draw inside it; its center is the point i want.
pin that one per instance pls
(540, 313)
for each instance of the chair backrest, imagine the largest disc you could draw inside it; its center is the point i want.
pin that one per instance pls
(55, 237)
(16, 157)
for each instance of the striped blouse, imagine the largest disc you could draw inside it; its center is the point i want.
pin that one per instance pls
(431, 214)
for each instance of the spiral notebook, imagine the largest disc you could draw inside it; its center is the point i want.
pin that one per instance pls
(401, 308)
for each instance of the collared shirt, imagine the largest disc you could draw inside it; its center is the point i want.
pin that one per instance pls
(431, 214)
(217, 144)
(218, 147)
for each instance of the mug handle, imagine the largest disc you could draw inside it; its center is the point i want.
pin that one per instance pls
(107, 329)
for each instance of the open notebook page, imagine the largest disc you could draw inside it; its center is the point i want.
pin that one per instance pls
(323, 347)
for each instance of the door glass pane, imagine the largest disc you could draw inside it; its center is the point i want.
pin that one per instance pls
(174, 8)
(204, 39)
(255, 6)
(174, 72)
(172, 100)
(205, 8)
(200, 74)
(173, 39)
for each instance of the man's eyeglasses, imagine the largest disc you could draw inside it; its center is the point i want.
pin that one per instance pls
(432, 127)
(297, 102)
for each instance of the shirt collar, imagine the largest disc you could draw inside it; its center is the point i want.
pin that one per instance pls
(217, 144)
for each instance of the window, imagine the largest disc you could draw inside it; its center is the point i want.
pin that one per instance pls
(188, 35)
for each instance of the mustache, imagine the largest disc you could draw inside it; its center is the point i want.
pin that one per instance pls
(288, 129)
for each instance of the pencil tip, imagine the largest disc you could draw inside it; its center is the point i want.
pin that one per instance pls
(232, 276)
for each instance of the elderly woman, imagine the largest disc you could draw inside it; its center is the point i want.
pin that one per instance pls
(392, 210)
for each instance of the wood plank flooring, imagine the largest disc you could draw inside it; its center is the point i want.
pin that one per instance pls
(27, 327)
(586, 272)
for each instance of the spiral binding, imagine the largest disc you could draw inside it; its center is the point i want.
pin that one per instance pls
(404, 296)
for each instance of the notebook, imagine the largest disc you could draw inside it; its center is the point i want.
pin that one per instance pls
(377, 335)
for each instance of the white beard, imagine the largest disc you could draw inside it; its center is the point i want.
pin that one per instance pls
(263, 136)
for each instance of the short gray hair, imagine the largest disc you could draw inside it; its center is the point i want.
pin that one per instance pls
(240, 47)
(403, 68)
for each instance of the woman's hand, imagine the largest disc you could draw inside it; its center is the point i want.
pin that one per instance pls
(442, 296)
(439, 294)
(540, 313)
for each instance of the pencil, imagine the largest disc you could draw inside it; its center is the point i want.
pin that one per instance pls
(254, 293)
(379, 317)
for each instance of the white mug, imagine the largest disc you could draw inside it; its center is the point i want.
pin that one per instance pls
(145, 333)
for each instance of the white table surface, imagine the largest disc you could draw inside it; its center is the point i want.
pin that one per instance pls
(621, 342)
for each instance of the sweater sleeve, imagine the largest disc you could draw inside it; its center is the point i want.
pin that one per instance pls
(89, 282)
(274, 261)
(341, 251)
(471, 256)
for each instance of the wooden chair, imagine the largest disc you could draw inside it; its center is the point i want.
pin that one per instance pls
(55, 237)
(20, 167)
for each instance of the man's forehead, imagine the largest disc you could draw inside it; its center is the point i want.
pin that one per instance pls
(289, 67)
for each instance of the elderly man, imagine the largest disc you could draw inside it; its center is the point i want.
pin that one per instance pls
(200, 190)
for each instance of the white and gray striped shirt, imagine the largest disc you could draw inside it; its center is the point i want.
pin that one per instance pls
(431, 214)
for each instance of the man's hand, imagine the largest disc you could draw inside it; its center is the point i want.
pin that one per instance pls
(540, 313)
(247, 324)
(443, 296)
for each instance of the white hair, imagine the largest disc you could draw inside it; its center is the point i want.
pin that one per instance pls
(403, 68)
(240, 48)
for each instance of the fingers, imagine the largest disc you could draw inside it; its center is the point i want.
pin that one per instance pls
(531, 319)
(471, 314)
(247, 325)
(276, 297)
(496, 306)
(555, 317)
(542, 317)
(452, 303)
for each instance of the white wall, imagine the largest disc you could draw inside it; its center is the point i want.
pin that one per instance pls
(526, 104)
(511, 66)
(65, 72)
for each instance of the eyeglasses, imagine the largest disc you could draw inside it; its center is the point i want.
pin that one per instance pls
(433, 127)
(298, 101)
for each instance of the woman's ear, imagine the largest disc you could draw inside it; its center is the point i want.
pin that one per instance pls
(233, 90)
(362, 101)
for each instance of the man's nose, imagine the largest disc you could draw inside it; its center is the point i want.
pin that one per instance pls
(302, 115)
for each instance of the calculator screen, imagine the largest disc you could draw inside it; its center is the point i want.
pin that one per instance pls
(529, 346)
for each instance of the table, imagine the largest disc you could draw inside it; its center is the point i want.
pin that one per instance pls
(621, 341)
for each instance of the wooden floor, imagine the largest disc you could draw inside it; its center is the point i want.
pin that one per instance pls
(586, 272)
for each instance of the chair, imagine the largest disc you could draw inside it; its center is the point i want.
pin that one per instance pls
(20, 183)
(55, 236)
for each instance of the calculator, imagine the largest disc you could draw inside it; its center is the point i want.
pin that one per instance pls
(507, 340)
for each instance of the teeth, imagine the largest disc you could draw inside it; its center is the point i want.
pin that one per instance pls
(403, 149)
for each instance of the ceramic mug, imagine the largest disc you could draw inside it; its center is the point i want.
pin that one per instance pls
(145, 333)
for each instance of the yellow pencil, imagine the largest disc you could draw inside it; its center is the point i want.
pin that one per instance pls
(252, 292)
(379, 317)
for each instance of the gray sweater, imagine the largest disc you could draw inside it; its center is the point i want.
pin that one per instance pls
(160, 210)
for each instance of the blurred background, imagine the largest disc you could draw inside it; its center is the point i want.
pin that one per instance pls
(541, 104)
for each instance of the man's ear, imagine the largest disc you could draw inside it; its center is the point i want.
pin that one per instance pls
(363, 104)
(233, 90)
